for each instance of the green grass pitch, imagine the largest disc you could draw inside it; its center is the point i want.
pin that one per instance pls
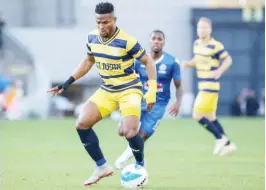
(48, 155)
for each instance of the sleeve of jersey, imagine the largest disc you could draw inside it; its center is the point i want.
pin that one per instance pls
(176, 70)
(221, 52)
(134, 49)
(89, 52)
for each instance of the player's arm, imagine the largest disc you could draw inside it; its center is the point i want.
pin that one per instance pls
(226, 62)
(150, 66)
(174, 109)
(189, 64)
(83, 68)
(137, 52)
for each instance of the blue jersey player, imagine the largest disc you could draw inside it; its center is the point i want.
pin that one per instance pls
(168, 69)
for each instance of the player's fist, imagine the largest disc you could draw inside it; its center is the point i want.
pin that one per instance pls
(150, 96)
(217, 74)
(185, 64)
(56, 90)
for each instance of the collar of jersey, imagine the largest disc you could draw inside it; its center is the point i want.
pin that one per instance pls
(160, 59)
(111, 39)
(210, 40)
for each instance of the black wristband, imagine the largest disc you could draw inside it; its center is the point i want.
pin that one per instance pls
(68, 82)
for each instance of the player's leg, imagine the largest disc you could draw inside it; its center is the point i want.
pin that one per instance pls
(204, 115)
(92, 112)
(124, 158)
(205, 112)
(230, 147)
(148, 123)
(130, 107)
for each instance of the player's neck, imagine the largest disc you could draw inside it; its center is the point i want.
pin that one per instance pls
(105, 39)
(205, 40)
(156, 55)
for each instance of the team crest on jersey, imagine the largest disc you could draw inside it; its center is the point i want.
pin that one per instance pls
(162, 69)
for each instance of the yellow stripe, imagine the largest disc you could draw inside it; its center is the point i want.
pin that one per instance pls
(223, 55)
(209, 85)
(115, 51)
(205, 74)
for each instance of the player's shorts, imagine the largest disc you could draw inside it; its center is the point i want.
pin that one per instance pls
(149, 121)
(128, 101)
(206, 102)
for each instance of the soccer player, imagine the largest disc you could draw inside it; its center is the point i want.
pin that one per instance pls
(113, 51)
(168, 69)
(211, 60)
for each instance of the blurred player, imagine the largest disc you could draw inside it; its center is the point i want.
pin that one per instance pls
(208, 54)
(113, 52)
(167, 68)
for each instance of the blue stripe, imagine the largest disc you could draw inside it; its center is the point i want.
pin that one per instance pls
(220, 53)
(212, 91)
(132, 87)
(103, 55)
(113, 76)
(139, 57)
(135, 49)
(137, 80)
(118, 43)
(213, 56)
(88, 47)
(207, 80)
(93, 39)
(129, 70)
(211, 46)
(212, 69)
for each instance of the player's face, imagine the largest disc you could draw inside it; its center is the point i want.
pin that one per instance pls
(204, 29)
(157, 42)
(105, 24)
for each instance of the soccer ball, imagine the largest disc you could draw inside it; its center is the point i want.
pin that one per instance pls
(134, 176)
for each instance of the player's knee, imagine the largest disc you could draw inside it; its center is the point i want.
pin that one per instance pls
(81, 124)
(196, 116)
(130, 133)
(120, 131)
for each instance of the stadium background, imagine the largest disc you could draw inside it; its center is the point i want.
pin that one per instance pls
(45, 40)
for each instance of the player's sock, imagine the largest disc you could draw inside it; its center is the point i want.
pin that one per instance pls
(210, 127)
(220, 128)
(91, 143)
(137, 145)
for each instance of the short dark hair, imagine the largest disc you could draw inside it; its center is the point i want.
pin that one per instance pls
(158, 31)
(104, 8)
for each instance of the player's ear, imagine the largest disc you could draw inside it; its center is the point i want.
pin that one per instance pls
(115, 18)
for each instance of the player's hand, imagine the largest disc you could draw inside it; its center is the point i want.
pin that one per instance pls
(56, 90)
(217, 74)
(185, 64)
(150, 96)
(174, 109)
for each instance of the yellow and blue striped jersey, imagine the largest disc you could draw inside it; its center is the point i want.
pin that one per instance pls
(114, 60)
(207, 58)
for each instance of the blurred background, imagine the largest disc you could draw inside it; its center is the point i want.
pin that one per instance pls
(41, 42)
